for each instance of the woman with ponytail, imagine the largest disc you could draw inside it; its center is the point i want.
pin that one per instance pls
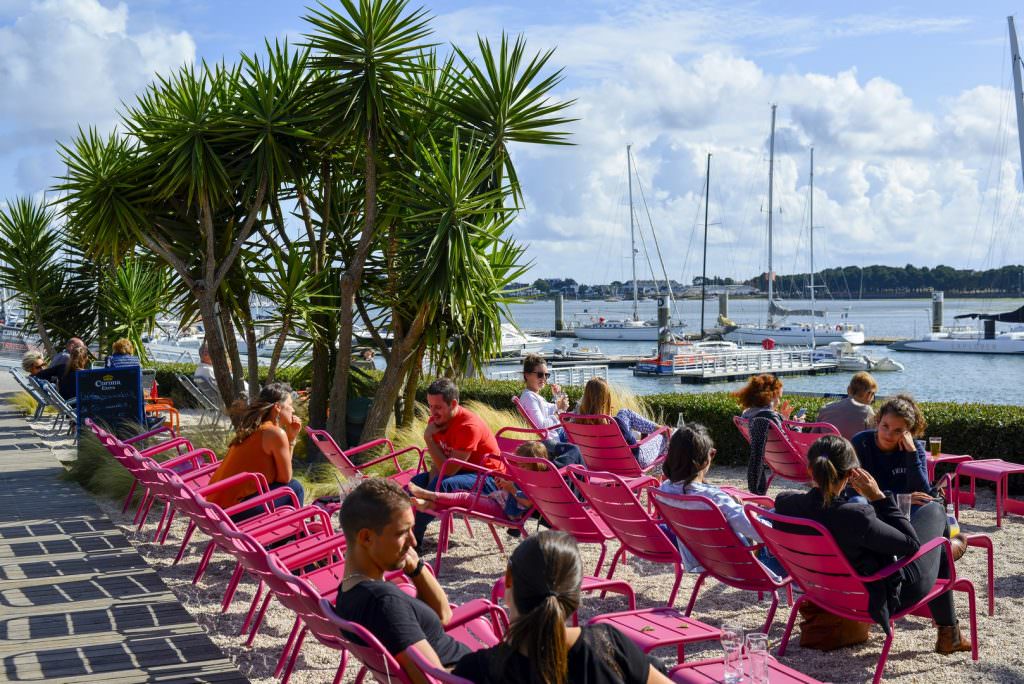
(265, 434)
(871, 534)
(542, 589)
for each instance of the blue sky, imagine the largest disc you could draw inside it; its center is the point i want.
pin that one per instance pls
(906, 105)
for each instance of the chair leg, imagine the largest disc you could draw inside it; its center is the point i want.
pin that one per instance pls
(884, 656)
(675, 588)
(771, 613)
(693, 594)
(283, 659)
(295, 656)
(167, 527)
(259, 619)
(442, 541)
(789, 625)
(229, 593)
(600, 559)
(969, 590)
(128, 499)
(184, 542)
(497, 539)
(204, 561)
(257, 595)
(341, 668)
(615, 562)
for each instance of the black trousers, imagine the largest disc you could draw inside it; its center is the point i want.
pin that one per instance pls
(919, 577)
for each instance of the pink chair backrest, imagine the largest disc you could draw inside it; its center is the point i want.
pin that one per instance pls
(808, 434)
(782, 456)
(625, 516)
(743, 425)
(509, 438)
(555, 501)
(601, 443)
(332, 452)
(814, 561)
(702, 527)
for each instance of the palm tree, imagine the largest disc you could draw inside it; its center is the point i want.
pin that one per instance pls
(370, 50)
(133, 296)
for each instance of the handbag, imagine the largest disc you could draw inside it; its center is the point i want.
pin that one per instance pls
(823, 631)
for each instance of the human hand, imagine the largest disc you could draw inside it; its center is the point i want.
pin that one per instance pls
(293, 427)
(865, 485)
(921, 498)
(556, 389)
(907, 444)
(506, 485)
(785, 409)
(429, 430)
(411, 560)
(563, 403)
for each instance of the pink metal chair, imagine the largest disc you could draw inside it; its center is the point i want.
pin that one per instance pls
(638, 533)
(342, 460)
(743, 425)
(446, 516)
(802, 435)
(434, 674)
(700, 525)
(589, 585)
(818, 566)
(526, 416)
(554, 500)
(783, 456)
(603, 447)
(707, 671)
(509, 438)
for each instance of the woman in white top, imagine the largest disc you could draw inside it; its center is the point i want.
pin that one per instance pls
(690, 454)
(544, 414)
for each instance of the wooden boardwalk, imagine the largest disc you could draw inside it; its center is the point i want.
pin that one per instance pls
(77, 602)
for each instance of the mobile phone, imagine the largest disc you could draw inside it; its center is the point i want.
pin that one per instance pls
(801, 413)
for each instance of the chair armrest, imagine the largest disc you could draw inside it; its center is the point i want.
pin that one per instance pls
(293, 558)
(229, 481)
(393, 456)
(149, 433)
(165, 445)
(262, 498)
(926, 548)
(470, 611)
(193, 456)
(190, 475)
(300, 512)
(663, 430)
(370, 445)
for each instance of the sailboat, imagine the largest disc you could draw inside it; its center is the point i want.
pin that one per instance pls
(986, 340)
(799, 334)
(628, 329)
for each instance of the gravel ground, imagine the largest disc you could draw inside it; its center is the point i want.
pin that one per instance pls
(473, 564)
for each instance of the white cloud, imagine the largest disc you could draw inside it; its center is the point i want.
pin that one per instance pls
(65, 63)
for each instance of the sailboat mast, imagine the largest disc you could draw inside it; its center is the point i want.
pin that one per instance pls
(1017, 90)
(771, 178)
(704, 271)
(632, 227)
(812, 247)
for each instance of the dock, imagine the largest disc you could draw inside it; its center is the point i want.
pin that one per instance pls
(557, 361)
(739, 365)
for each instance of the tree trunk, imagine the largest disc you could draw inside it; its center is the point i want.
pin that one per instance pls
(412, 379)
(387, 393)
(275, 356)
(41, 329)
(218, 352)
(251, 354)
(350, 281)
(227, 328)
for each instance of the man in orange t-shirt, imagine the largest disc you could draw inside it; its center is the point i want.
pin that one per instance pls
(454, 432)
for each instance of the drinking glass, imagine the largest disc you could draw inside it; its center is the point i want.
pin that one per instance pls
(732, 647)
(757, 658)
(935, 444)
(904, 500)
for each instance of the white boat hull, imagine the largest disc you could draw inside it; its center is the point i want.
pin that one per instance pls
(626, 333)
(793, 336)
(1009, 344)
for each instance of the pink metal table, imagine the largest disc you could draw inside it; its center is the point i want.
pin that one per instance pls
(712, 671)
(994, 470)
(941, 459)
(653, 628)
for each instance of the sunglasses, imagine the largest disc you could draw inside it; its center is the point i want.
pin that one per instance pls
(40, 365)
(542, 375)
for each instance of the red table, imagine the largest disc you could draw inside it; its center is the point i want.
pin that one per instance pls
(653, 628)
(994, 470)
(712, 671)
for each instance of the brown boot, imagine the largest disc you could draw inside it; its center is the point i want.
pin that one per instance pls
(959, 545)
(950, 640)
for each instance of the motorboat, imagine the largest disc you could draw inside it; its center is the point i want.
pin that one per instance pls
(851, 358)
(966, 341)
(516, 342)
(576, 352)
(796, 334)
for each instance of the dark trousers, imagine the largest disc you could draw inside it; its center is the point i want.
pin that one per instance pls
(919, 577)
(563, 453)
(285, 500)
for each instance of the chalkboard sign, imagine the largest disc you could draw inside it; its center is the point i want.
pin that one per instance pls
(112, 396)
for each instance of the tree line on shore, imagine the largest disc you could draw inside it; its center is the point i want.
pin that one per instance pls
(361, 179)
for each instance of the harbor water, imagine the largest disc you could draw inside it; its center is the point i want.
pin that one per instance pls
(993, 379)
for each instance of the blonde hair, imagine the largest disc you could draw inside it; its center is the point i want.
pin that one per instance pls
(532, 449)
(597, 398)
(78, 359)
(123, 346)
(860, 383)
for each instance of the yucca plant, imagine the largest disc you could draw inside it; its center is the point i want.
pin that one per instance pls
(132, 297)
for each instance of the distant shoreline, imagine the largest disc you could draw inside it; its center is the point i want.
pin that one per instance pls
(875, 297)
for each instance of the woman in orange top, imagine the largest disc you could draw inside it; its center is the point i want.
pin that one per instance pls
(264, 440)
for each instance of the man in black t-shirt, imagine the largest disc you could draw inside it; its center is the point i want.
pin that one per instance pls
(377, 519)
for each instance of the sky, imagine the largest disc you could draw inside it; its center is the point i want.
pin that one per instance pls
(908, 107)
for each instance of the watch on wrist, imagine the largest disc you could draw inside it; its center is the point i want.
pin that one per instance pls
(417, 570)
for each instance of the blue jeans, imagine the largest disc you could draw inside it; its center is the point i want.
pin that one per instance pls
(459, 482)
(563, 453)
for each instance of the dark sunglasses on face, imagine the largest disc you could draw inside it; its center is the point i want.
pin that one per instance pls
(539, 374)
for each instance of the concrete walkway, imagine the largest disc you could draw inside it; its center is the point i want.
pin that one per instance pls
(77, 602)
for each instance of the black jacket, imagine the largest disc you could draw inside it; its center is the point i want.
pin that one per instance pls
(871, 536)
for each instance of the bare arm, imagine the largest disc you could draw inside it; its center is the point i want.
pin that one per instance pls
(426, 652)
(277, 443)
(655, 677)
(427, 589)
